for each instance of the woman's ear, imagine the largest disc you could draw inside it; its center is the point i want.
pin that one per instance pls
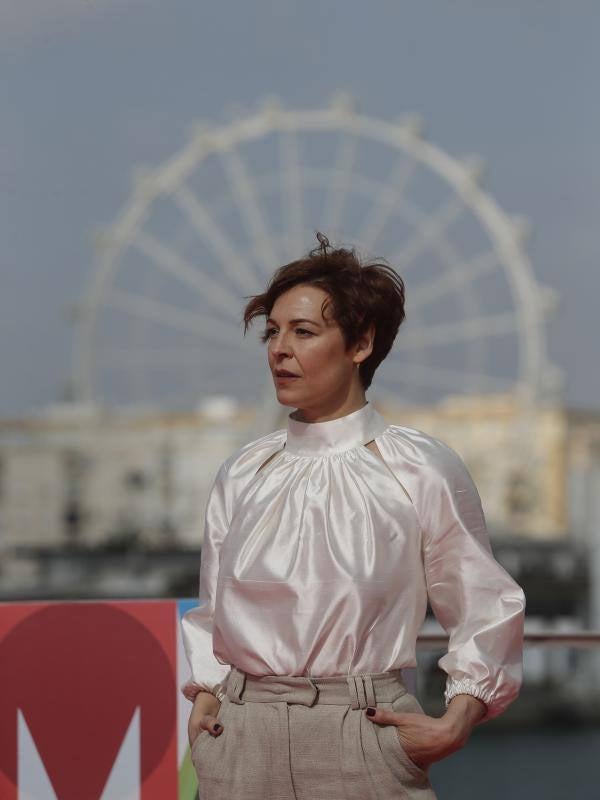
(364, 346)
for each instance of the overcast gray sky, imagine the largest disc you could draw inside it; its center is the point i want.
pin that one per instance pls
(91, 87)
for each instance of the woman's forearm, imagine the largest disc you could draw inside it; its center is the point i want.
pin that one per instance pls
(463, 713)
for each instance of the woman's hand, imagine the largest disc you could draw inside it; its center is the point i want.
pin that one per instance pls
(427, 739)
(204, 716)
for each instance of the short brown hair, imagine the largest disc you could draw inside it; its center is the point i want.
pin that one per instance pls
(361, 293)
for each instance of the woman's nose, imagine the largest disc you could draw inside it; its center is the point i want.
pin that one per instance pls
(280, 345)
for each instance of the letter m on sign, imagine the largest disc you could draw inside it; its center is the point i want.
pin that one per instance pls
(88, 701)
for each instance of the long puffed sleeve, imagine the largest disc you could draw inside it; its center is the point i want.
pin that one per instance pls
(476, 601)
(197, 623)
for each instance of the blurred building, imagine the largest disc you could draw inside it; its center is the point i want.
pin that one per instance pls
(77, 476)
(95, 502)
(104, 504)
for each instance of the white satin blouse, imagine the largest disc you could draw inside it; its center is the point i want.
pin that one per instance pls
(321, 563)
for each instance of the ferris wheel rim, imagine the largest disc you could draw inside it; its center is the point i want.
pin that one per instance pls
(461, 178)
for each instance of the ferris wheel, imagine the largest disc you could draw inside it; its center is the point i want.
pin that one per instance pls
(161, 321)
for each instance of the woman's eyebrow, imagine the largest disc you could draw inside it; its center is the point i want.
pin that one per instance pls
(294, 321)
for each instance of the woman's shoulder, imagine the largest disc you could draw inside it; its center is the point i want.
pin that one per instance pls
(413, 440)
(418, 450)
(429, 469)
(246, 460)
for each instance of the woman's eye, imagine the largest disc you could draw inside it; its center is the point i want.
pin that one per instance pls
(268, 332)
(266, 335)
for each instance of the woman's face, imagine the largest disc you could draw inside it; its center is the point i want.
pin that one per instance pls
(301, 342)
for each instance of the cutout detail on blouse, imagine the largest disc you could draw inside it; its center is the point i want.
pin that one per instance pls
(270, 458)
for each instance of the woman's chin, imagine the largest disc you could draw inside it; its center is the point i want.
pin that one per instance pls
(286, 398)
(288, 404)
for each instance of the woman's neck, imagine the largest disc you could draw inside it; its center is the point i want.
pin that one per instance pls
(325, 415)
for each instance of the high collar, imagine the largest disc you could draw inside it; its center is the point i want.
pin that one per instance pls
(334, 435)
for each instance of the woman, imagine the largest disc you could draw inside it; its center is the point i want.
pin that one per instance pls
(323, 542)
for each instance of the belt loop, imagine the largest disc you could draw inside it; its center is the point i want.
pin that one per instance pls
(369, 691)
(360, 688)
(235, 685)
(362, 691)
(351, 681)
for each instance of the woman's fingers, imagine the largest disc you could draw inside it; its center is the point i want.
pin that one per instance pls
(212, 725)
(205, 723)
(386, 717)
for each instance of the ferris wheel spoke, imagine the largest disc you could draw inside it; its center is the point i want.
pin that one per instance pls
(464, 330)
(444, 378)
(292, 189)
(391, 197)
(169, 261)
(236, 267)
(456, 275)
(248, 206)
(157, 357)
(171, 316)
(342, 173)
(428, 232)
(407, 211)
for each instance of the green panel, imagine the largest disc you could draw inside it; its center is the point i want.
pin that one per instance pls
(188, 780)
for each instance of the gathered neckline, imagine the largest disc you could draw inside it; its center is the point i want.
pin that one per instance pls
(334, 435)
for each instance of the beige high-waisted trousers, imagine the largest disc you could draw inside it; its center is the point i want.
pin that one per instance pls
(297, 738)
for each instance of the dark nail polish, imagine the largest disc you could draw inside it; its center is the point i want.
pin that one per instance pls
(217, 727)
(370, 711)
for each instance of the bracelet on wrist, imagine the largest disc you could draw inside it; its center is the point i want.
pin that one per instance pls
(217, 691)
